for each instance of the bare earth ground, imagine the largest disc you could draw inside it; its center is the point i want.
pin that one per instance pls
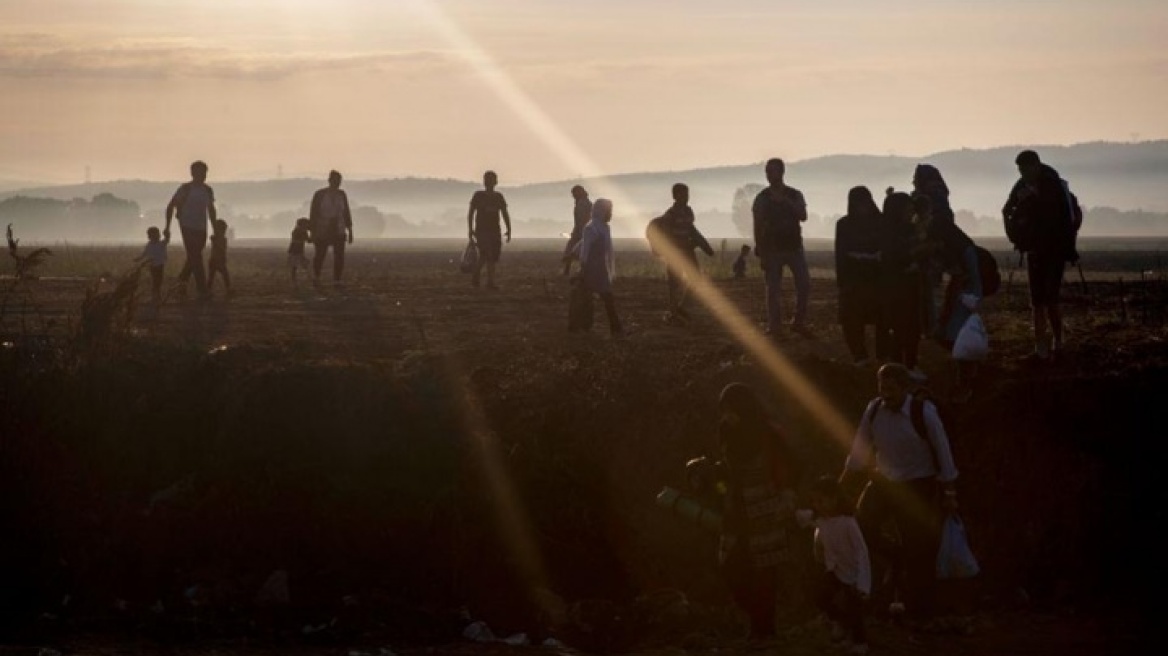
(396, 303)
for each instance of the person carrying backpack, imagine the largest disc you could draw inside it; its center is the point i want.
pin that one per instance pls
(901, 448)
(1041, 221)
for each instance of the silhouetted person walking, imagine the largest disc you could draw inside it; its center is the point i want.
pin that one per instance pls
(857, 272)
(581, 215)
(332, 226)
(1040, 223)
(194, 204)
(901, 448)
(676, 227)
(487, 206)
(778, 241)
(597, 262)
(761, 476)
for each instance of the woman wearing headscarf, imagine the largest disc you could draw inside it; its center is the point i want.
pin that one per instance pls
(597, 262)
(930, 190)
(902, 306)
(761, 477)
(857, 272)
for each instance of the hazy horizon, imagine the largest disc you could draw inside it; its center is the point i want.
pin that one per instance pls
(545, 90)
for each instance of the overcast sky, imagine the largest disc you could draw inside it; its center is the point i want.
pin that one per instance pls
(547, 89)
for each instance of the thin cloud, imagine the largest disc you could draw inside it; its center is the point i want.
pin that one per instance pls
(47, 56)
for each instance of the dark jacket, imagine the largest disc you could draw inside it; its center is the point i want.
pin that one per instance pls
(676, 226)
(857, 234)
(777, 221)
(953, 243)
(315, 218)
(1039, 217)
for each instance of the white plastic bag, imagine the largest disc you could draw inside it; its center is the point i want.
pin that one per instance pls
(955, 560)
(973, 342)
(470, 258)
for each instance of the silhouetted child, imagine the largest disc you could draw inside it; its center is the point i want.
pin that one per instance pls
(740, 263)
(300, 237)
(218, 261)
(845, 580)
(155, 254)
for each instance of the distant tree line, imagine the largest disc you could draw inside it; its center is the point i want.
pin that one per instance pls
(108, 217)
(104, 216)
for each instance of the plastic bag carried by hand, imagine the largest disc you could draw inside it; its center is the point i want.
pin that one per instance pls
(970, 301)
(955, 560)
(973, 342)
(470, 258)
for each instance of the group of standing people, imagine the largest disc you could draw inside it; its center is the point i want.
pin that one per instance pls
(891, 259)
(890, 263)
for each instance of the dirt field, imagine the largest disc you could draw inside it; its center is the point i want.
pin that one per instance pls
(404, 445)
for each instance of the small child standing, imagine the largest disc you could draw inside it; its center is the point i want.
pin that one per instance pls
(155, 254)
(846, 578)
(296, 258)
(218, 260)
(740, 263)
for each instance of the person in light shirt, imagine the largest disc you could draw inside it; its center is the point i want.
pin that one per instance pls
(194, 205)
(902, 447)
(845, 575)
(155, 256)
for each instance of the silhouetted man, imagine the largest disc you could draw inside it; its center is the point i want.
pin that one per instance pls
(902, 449)
(482, 224)
(332, 225)
(677, 228)
(1039, 221)
(581, 215)
(778, 241)
(194, 203)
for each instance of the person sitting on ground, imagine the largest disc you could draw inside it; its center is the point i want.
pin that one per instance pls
(844, 581)
(857, 273)
(217, 263)
(761, 476)
(300, 237)
(740, 262)
(155, 255)
(673, 237)
(902, 452)
(1040, 222)
(902, 288)
(581, 215)
(597, 262)
(487, 206)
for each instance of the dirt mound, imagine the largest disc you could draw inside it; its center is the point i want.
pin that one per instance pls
(176, 482)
